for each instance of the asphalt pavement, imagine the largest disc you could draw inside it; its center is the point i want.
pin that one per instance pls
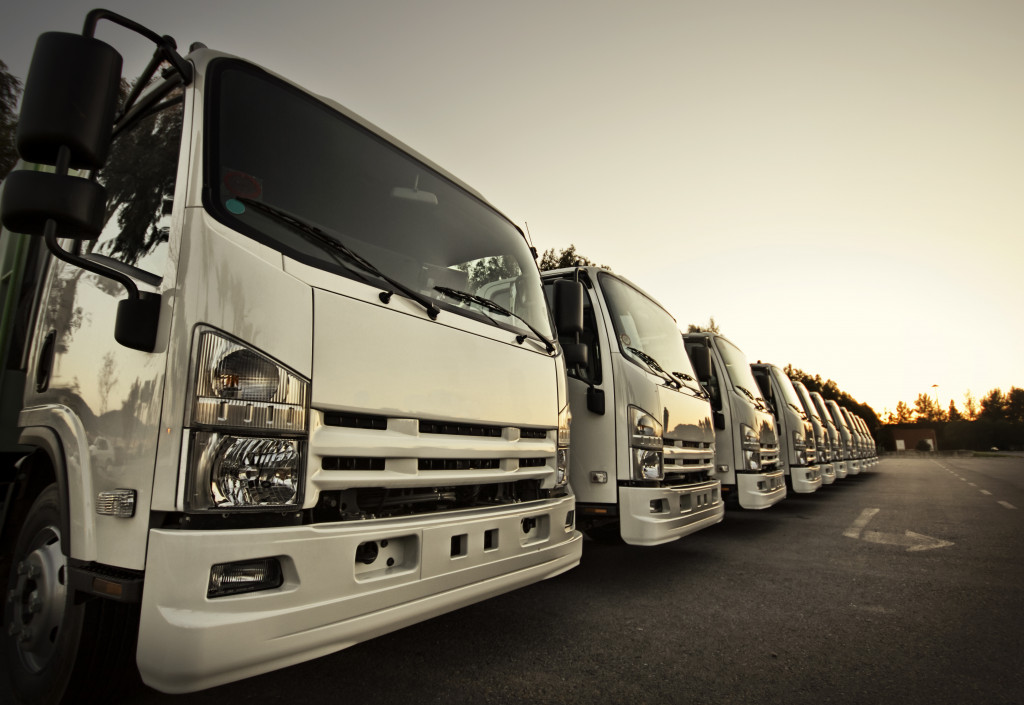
(904, 585)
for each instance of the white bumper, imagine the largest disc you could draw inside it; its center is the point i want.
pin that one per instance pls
(649, 516)
(330, 601)
(760, 490)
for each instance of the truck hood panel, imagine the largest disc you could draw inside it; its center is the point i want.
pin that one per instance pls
(378, 360)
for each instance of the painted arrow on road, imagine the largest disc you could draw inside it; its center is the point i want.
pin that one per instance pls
(912, 540)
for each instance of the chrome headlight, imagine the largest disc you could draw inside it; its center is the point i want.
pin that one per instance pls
(751, 444)
(562, 459)
(646, 445)
(249, 429)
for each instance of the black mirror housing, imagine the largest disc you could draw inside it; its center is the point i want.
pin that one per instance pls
(700, 358)
(30, 198)
(70, 98)
(568, 307)
(575, 354)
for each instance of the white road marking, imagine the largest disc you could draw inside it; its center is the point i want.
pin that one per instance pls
(972, 484)
(912, 540)
(986, 492)
(1007, 504)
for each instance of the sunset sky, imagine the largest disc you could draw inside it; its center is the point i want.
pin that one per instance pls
(840, 185)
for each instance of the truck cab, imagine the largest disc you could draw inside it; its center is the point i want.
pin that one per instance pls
(849, 439)
(642, 440)
(840, 461)
(797, 448)
(821, 437)
(256, 408)
(746, 441)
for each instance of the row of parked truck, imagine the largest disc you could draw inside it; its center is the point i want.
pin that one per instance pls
(273, 383)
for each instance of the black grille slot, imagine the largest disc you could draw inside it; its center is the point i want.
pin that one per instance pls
(532, 462)
(337, 418)
(459, 463)
(533, 433)
(352, 463)
(459, 429)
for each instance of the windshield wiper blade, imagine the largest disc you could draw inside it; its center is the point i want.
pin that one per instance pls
(695, 386)
(339, 250)
(653, 364)
(495, 308)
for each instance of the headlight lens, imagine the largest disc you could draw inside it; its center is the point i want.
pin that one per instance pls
(750, 441)
(241, 472)
(240, 388)
(249, 429)
(562, 460)
(646, 445)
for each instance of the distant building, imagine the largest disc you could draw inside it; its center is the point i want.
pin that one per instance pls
(909, 438)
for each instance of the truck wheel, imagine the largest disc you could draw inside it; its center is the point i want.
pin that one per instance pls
(57, 649)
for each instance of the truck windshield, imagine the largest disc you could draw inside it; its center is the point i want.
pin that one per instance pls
(808, 405)
(789, 394)
(737, 367)
(273, 144)
(646, 331)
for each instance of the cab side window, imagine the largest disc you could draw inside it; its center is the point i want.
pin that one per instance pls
(139, 177)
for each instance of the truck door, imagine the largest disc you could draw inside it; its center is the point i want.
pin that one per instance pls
(104, 399)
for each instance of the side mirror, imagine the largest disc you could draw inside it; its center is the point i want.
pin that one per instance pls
(31, 198)
(70, 98)
(568, 307)
(700, 358)
(595, 400)
(575, 354)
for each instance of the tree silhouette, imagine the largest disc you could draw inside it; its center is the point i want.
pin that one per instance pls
(711, 327)
(903, 413)
(928, 409)
(568, 257)
(10, 91)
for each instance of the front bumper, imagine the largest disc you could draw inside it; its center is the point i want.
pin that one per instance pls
(330, 600)
(760, 490)
(649, 516)
(854, 467)
(828, 473)
(805, 478)
(841, 469)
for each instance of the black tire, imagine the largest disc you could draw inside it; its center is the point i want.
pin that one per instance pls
(56, 648)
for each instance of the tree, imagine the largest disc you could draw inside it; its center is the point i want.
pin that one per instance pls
(928, 409)
(10, 91)
(711, 327)
(903, 413)
(970, 406)
(568, 257)
(1015, 405)
(993, 406)
(953, 414)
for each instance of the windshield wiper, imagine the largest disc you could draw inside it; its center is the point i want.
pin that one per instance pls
(339, 250)
(653, 364)
(494, 308)
(695, 386)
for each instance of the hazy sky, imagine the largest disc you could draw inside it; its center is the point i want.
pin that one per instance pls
(840, 184)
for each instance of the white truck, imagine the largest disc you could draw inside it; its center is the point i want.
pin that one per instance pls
(849, 439)
(255, 409)
(642, 442)
(746, 443)
(798, 454)
(821, 437)
(840, 461)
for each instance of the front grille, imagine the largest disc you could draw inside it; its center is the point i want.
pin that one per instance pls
(338, 418)
(352, 463)
(459, 429)
(459, 463)
(532, 462)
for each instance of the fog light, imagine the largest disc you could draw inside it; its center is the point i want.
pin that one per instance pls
(244, 576)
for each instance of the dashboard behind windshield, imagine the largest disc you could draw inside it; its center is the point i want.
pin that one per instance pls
(270, 142)
(643, 325)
